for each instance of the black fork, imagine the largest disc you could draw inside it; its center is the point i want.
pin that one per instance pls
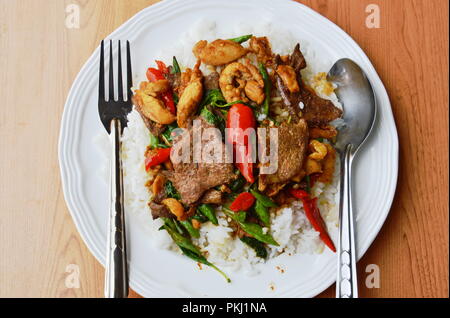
(113, 115)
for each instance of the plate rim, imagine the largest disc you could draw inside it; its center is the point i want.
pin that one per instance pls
(63, 160)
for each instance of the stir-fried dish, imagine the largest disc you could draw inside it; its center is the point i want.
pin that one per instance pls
(246, 87)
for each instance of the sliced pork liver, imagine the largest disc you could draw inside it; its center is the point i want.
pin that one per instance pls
(192, 179)
(292, 146)
(159, 211)
(316, 110)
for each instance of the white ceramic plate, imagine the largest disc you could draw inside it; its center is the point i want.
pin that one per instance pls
(156, 273)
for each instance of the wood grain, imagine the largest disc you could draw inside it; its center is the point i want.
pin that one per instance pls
(40, 57)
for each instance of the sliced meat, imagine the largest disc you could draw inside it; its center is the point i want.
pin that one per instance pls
(290, 100)
(211, 81)
(158, 197)
(297, 60)
(159, 211)
(292, 145)
(212, 196)
(192, 179)
(155, 128)
(316, 110)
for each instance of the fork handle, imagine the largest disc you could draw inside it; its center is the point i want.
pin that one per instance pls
(346, 283)
(116, 277)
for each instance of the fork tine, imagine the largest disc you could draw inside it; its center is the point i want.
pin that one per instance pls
(111, 73)
(129, 73)
(101, 75)
(119, 79)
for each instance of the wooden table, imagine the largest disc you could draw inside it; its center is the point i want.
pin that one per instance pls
(40, 57)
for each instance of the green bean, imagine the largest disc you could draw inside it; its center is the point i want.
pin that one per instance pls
(308, 184)
(208, 211)
(175, 66)
(265, 200)
(170, 223)
(173, 225)
(179, 228)
(230, 103)
(256, 245)
(200, 217)
(267, 88)
(241, 39)
(190, 229)
(262, 212)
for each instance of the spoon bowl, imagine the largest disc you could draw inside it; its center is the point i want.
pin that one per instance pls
(355, 93)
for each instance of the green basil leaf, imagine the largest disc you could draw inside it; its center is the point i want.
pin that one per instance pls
(256, 245)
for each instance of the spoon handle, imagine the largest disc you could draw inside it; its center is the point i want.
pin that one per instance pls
(346, 283)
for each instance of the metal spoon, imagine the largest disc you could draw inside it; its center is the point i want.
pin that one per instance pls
(357, 97)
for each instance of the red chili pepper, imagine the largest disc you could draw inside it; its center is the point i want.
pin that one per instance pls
(156, 156)
(154, 75)
(162, 67)
(313, 214)
(315, 218)
(243, 202)
(168, 101)
(240, 118)
(299, 194)
(244, 162)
